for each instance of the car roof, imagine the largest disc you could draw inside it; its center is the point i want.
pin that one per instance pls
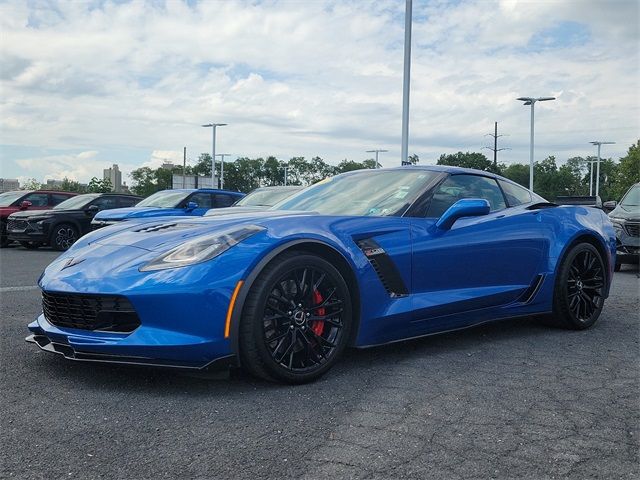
(437, 168)
(205, 190)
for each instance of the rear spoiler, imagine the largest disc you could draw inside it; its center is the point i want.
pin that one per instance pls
(586, 201)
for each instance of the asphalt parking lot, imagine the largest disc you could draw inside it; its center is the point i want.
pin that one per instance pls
(508, 400)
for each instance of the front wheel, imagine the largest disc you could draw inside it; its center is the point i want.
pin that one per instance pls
(63, 236)
(580, 286)
(296, 320)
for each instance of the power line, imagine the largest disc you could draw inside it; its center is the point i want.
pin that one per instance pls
(495, 148)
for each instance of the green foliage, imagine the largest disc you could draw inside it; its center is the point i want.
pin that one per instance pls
(628, 171)
(72, 186)
(468, 160)
(518, 173)
(31, 184)
(99, 186)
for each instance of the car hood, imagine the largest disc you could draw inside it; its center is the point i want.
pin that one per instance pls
(136, 212)
(165, 233)
(6, 211)
(626, 212)
(25, 214)
(216, 212)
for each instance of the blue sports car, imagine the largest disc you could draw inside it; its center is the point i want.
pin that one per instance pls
(361, 259)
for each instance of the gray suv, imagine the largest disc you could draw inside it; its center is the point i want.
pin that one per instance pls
(626, 222)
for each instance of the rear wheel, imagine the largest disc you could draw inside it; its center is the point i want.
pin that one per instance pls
(580, 286)
(31, 245)
(296, 321)
(63, 236)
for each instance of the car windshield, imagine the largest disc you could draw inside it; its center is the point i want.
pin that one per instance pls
(7, 198)
(632, 198)
(266, 197)
(164, 199)
(370, 193)
(76, 203)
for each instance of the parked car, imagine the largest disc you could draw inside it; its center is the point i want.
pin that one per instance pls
(15, 201)
(257, 200)
(625, 217)
(363, 258)
(179, 202)
(61, 226)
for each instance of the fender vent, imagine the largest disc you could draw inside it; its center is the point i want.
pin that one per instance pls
(532, 290)
(384, 267)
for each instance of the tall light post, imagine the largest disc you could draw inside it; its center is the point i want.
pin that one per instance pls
(532, 101)
(222, 155)
(599, 144)
(213, 150)
(286, 171)
(408, 10)
(377, 152)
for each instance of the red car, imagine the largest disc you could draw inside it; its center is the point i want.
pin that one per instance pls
(15, 201)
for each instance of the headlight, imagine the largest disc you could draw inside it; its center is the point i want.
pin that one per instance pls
(201, 249)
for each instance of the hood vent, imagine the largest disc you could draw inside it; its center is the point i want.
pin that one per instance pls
(165, 227)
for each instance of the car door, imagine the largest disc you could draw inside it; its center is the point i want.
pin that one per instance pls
(103, 203)
(481, 262)
(38, 200)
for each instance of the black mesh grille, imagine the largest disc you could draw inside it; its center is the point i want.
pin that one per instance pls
(633, 229)
(112, 313)
(16, 224)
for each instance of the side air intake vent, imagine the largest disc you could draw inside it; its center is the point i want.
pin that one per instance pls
(384, 267)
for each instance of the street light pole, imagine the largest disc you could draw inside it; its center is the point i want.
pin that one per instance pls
(377, 152)
(286, 170)
(222, 155)
(213, 151)
(532, 101)
(406, 82)
(599, 144)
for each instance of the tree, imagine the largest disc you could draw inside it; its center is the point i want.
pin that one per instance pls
(628, 171)
(517, 172)
(69, 185)
(414, 159)
(468, 160)
(144, 181)
(99, 186)
(351, 165)
(31, 184)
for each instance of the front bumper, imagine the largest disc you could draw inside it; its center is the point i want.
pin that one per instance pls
(627, 245)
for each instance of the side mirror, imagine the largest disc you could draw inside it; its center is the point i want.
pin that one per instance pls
(191, 206)
(25, 204)
(610, 205)
(467, 207)
(92, 209)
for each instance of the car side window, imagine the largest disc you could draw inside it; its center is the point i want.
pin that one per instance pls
(457, 187)
(37, 199)
(202, 199)
(105, 203)
(224, 200)
(516, 195)
(57, 198)
(127, 201)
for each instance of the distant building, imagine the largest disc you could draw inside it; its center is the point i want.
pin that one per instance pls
(168, 166)
(114, 175)
(53, 184)
(8, 184)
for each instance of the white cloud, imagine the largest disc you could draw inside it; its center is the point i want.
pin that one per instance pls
(307, 78)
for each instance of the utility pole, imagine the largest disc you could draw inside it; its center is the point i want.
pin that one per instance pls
(377, 152)
(222, 155)
(406, 82)
(213, 151)
(495, 148)
(532, 101)
(286, 170)
(184, 167)
(599, 144)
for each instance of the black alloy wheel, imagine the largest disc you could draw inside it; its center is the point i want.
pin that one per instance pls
(297, 319)
(580, 288)
(63, 236)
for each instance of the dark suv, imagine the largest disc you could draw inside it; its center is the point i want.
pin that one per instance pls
(625, 217)
(61, 226)
(18, 200)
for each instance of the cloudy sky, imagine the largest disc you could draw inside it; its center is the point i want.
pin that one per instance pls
(88, 84)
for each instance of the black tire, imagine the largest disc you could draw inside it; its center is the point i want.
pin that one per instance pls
(63, 236)
(579, 290)
(31, 245)
(295, 325)
(4, 240)
(617, 267)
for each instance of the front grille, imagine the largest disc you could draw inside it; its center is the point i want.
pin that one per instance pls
(111, 313)
(13, 225)
(632, 229)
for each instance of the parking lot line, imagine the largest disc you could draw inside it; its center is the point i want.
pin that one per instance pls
(18, 289)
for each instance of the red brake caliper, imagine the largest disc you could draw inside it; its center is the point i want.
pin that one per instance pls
(318, 325)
